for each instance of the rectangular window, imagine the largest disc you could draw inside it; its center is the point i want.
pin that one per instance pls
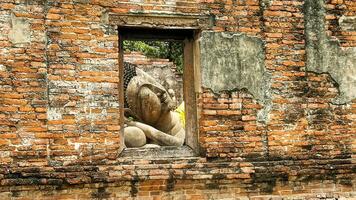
(158, 96)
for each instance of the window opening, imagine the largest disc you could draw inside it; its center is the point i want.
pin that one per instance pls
(159, 105)
(153, 94)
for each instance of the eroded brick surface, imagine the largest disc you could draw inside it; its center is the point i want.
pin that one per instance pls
(59, 110)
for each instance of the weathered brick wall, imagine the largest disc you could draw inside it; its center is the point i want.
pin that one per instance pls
(59, 110)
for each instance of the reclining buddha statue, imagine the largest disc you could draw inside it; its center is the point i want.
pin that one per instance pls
(149, 117)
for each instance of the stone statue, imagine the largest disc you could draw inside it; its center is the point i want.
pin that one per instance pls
(151, 106)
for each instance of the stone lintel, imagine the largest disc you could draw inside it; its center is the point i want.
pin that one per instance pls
(161, 20)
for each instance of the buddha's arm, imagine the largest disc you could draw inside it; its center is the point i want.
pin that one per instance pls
(160, 137)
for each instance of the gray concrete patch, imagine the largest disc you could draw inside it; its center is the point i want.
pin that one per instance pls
(347, 23)
(20, 32)
(233, 61)
(325, 55)
(266, 3)
(54, 113)
(2, 68)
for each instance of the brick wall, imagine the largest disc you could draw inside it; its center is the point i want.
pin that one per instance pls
(59, 110)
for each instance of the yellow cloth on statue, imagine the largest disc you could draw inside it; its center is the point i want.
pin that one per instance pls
(181, 113)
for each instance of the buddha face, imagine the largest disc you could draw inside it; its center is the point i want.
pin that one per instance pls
(155, 102)
(148, 100)
(167, 103)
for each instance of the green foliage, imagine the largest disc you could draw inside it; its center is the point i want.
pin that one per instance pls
(159, 49)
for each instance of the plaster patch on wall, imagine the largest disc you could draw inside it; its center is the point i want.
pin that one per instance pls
(26, 141)
(20, 32)
(104, 17)
(347, 23)
(236, 61)
(326, 56)
(54, 113)
(233, 61)
(2, 68)
(266, 3)
(4, 154)
(340, 63)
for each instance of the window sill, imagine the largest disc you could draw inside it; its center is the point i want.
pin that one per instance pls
(161, 152)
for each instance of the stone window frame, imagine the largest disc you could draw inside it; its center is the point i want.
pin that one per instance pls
(191, 86)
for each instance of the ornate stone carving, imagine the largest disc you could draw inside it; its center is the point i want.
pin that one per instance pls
(156, 20)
